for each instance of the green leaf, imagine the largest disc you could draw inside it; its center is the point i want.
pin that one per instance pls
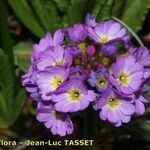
(10, 102)
(62, 5)
(140, 129)
(3, 110)
(7, 83)
(23, 11)
(4, 31)
(16, 105)
(105, 12)
(47, 13)
(53, 19)
(22, 52)
(76, 11)
(40, 12)
(102, 8)
(9, 113)
(134, 13)
(125, 10)
(97, 6)
(117, 8)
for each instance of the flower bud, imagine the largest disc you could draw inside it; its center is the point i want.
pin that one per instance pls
(109, 49)
(91, 50)
(77, 33)
(90, 20)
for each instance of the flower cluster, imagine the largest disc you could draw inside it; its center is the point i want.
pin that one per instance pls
(87, 63)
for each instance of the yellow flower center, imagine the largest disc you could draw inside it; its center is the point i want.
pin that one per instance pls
(82, 47)
(55, 82)
(104, 60)
(102, 82)
(75, 94)
(124, 78)
(104, 39)
(113, 102)
(59, 62)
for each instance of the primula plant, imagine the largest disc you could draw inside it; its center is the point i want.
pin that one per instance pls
(93, 63)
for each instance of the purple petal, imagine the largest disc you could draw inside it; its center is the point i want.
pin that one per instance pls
(101, 102)
(59, 37)
(104, 113)
(61, 128)
(90, 20)
(124, 118)
(54, 130)
(139, 107)
(84, 104)
(118, 124)
(35, 96)
(63, 106)
(126, 90)
(118, 66)
(90, 96)
(114, 30)
(136, 80)
(45, 97)
(127, 108)
(142, 99)
(69, 127)
(113, 81)
(92, 34)
(146, 73)
(131, 61)
(60, 97)
(49, 123)
(113, 115)
(43, 117)
(74, 107)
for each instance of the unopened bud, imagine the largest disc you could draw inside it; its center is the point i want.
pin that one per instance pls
(91, 50)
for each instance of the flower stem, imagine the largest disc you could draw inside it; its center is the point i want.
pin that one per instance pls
(130, 30)
(4, 31)
(91, 126)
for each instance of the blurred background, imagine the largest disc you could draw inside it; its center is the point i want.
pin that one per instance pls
(24, 22)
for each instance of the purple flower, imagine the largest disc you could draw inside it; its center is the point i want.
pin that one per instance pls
(90, 20)
(29, 82)
(91, 50)
(53, 58)
(73, 50)
(146, 73)
(142, 55)
(47, 42)
(77, 33)
(48, 81)
(73, 96)
(66, 76)
(109, 49)
(99, 79)
(107, 31)
(28, 77)
(139, 105)
(77, 73)
(127, 74)
(115, 108)
(58, 123)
